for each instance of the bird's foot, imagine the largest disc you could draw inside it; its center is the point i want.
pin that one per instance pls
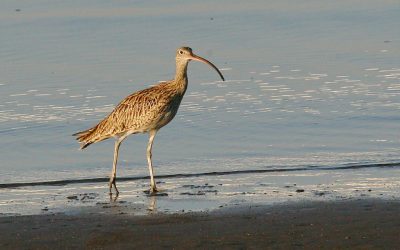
(113, 183)
(155, 192)
(113, 198)
(151, 191)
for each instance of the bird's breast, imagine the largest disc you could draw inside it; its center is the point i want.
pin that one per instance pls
(168, 112)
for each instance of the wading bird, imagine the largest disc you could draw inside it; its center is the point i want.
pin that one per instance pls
(145, 111)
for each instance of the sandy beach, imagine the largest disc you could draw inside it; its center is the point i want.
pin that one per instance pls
(355, 224)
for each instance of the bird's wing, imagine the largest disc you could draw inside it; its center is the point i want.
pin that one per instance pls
(136, 111)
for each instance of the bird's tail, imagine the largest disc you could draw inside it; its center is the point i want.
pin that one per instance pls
(85, 137)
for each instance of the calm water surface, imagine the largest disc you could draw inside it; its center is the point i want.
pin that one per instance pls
(307, 84)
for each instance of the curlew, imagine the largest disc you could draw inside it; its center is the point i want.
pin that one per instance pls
(145, 111)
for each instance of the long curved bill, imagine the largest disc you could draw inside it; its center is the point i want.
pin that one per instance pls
(201, 59)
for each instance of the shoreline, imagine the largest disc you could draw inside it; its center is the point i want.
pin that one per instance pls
(205, 193)
(359, 223)
(64, 182)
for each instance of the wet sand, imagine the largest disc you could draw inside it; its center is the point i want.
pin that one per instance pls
(355, 224)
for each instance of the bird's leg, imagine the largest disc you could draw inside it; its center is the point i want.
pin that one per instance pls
(113, 176)
(152, 134)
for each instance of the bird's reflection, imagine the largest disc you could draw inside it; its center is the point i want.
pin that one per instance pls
(152, 207)
(152, 201)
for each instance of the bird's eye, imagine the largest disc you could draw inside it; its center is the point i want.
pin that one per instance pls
(181, 52)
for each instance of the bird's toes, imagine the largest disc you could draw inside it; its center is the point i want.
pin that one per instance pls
(151, 191)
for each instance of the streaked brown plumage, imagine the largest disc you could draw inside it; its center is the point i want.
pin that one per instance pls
(145, 111)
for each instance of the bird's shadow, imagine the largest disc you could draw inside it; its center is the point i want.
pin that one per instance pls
(152, 206)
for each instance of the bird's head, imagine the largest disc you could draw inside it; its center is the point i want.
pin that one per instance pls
(185, 54)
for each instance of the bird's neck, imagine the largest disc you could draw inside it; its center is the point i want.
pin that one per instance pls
(181, 79)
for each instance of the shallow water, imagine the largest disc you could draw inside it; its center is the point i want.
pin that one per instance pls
(308, 84)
